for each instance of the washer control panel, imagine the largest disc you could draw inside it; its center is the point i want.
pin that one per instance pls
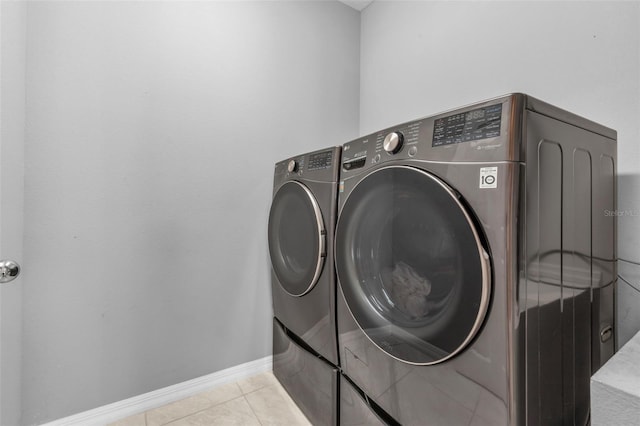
(393, 143)
(481, 123)
(478, 133)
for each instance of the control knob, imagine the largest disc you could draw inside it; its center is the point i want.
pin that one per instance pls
(292, 166)
(393, 142)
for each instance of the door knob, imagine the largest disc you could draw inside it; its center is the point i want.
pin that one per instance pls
(9, 270)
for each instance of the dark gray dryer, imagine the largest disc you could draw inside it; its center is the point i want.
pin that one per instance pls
(301, 226)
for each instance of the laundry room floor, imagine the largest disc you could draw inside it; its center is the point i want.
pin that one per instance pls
(256, 401)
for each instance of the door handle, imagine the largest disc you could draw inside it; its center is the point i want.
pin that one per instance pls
(9, 270)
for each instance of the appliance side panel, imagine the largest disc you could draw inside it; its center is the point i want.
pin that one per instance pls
(530, 291)
(604, 259)
(578, 268)
(548, 260)
(518, 353)
(330, 219)
(570, 267)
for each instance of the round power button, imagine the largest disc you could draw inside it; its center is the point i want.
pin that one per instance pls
(413, 151)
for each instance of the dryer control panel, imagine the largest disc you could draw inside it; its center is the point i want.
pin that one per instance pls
(319, 165)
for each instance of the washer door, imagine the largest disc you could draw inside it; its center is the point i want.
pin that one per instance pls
(411, 265)
(296, 238)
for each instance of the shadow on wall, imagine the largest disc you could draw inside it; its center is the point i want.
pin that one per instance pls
(628, 300)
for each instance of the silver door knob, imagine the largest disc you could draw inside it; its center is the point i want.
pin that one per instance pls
(9, 270)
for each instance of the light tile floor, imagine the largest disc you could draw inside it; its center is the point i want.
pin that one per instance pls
(259, 400)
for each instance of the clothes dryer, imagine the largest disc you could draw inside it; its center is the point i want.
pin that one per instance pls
(300, 235)
(476, 266)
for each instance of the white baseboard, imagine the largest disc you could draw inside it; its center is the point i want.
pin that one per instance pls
(127, 407)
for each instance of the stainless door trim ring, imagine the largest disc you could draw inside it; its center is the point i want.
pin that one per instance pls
(321, 237)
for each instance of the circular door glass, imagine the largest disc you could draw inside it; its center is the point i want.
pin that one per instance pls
(296, 238)
(411, 265)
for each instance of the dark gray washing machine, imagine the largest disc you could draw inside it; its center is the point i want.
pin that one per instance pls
(476, 265)
(301, 226)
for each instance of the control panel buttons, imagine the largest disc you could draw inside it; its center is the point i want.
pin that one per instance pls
(292, 166)
(376, 159)
(393, 142)
(413, 151)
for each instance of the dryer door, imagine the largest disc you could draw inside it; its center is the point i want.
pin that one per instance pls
(411, 265)
(296, 238)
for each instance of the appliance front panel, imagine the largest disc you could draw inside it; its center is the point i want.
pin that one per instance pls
(481, 375)
(300, 237)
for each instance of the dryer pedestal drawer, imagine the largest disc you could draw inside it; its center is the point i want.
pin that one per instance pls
(310, 381)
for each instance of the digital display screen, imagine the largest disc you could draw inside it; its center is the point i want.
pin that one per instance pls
(321, 160)
(481, 123)
(474, 115)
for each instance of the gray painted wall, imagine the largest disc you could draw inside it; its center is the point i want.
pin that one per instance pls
(581, 56)
(12, 122)
(152, 132)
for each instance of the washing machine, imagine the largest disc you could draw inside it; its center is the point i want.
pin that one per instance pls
(476, 264)
(301, 226)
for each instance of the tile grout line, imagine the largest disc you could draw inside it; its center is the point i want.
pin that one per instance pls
(244, 395)
(252, 410)
(287, 398)
(256, 390)
(199, 411)
(211, 405)
(292, 402)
